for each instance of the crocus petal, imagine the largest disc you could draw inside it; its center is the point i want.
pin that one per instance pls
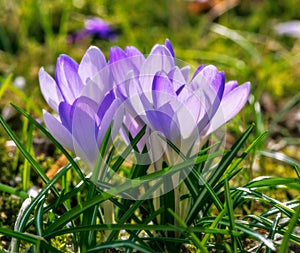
(184, 122)
(198, 70)
(92, 90)
(50, 90)
(66, 114)
(211, 82)
(87, 105)
(105, 104)
(114, 115)
(135, 56)
(170, 47)
(230, 105)
(229, 86)
(134, 125)
(84, 139)
(159, 59)
(136, 100)
(195, 104)
(186, 73)
(67, 78)
(163, 89)
(177, 78)
(162, 123)
(120, 65)
(92, 62)
(209, 76)
(156, 147)
(99, 28)
(59, 132)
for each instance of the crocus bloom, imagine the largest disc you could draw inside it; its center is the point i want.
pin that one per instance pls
(83, 97)
(99, 28)
(95, 27)
(160, 95)
(291, 28)
(150, 90)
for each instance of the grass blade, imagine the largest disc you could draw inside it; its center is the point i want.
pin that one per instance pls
(56, 143)
(30, 238)
(223, 165)
(286, 238)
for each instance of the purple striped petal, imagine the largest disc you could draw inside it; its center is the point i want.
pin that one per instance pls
(135, 56)
(159, 59)
(186, 73)
(105, 104)
(67, 78)
(59, 132)
(162, 123)
(177, 78)
(170, 47)
(134, 125)
(229, 86)
(210, 82)
(113, 115)
(84, 138)
(120, 65)
(163, 89)
(66, 114)
(50, 90)
(230, 105)
(92, 62)
(198, 70)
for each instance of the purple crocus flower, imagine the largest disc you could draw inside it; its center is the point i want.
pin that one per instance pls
(90, 78)
(82, 95)
(99, 28)
(159, 94)
(150, 90)
(291, 28)
(95, 27)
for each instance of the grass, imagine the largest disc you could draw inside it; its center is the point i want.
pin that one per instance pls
(249, 202)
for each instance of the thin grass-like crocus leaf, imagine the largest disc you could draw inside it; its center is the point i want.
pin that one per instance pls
(236, 37)
(41, 195)
(294, 221)
(5, 85)
(292, 102)
(56, 143)
(280, 157)
(76, 211)
(267, 181)
(242, 227)
(262, 197)
(124, 244)
(137, 227)
(230, 213)
(248, 149)
(38, 217)
(194, 238)
(26, 154)
(100, 166)
(273, 229)
(30, 238)
(219, 171)
(128, 149)
(14, 191)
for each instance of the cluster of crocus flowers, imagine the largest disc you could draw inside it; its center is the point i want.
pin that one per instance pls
(83, 97)
(131, 91)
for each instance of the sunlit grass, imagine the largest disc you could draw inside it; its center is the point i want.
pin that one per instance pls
(258, 192)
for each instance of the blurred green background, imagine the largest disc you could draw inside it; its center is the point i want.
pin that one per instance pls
(237, 36)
